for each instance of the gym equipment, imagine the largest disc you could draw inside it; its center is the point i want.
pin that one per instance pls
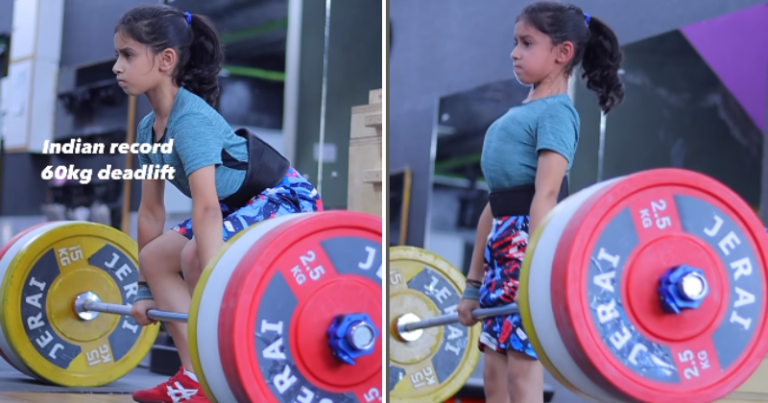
(41, 273)
(427, 365)
(65, 313)
(308, 269)
(649, 287)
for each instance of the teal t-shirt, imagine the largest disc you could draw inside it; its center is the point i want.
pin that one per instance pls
(512, 143)
(201, 137)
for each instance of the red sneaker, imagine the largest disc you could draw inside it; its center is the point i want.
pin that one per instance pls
(179, 389)
(199, 398)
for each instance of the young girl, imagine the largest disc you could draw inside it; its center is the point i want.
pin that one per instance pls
(526, 155)
(234, 179)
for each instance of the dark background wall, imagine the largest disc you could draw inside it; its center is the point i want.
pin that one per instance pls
(6, 16)
(677, 113)
(354, 68)
(441, 47)
(85, 40)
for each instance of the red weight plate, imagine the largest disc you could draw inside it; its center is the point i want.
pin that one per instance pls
(18, 236)
(283, 297)
(2, 253)
(606, 273)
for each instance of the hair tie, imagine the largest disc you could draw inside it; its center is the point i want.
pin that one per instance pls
(586, 18)
(189, 17)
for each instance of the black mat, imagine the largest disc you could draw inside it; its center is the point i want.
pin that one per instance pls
(12, 380)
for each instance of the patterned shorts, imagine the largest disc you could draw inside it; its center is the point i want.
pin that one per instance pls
(504, 254)
(293, 195)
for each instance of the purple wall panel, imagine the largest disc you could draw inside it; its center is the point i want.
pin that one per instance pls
(736, 48)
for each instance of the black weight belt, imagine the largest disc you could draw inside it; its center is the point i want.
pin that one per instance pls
(517, 201)
(265, 168)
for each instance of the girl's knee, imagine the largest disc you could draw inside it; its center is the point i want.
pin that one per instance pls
(519, 385)
(161, 256)
(151, 260)
(189, 259)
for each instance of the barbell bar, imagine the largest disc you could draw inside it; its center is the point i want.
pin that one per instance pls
(685, 287)
(359, 334)
(404, 326)
(88, 305)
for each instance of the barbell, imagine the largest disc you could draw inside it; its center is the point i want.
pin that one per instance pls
(288, 310)
(649, 287)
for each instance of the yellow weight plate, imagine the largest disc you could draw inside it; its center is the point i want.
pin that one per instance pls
(38, 318)
(71, 326)
(427, 365)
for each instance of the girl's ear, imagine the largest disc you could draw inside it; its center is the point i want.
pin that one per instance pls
(564, 52)
(168, 58)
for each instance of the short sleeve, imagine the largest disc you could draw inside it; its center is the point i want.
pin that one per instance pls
(144, 135)
(144, 159)
(197, 142)
(558, 131)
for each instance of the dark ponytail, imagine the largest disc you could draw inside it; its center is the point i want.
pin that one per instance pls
(201, 72)
(596, 47)
(194, 38)
(601, 63)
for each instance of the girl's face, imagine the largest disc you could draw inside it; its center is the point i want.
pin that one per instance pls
(137, 68)
(534, 56)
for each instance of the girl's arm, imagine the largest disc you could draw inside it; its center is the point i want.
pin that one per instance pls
(549, 176)
(484, 225)
(151, 217)
(207, 220)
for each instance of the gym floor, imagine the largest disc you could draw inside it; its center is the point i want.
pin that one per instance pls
(62, 398)
(16, 387)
